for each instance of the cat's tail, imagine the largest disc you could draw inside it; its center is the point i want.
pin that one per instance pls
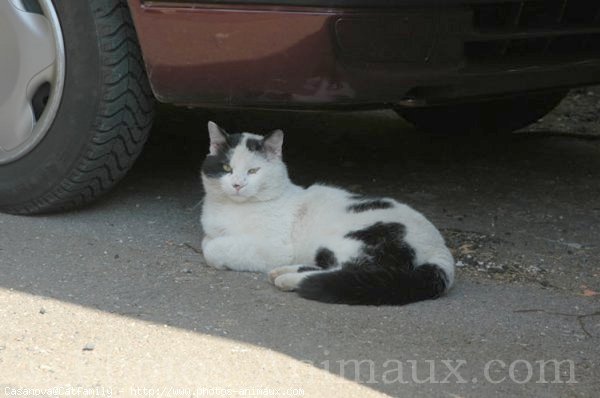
(376, 286)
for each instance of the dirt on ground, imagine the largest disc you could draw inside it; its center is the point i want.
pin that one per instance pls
(577, 114)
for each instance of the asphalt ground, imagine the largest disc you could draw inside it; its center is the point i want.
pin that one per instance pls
(116, 298)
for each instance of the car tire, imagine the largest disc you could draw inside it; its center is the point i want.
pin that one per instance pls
(490, 117)
(102, 122)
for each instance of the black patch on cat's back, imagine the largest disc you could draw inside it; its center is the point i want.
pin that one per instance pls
(385, 244)
(325, 258)
(378, 233)
(373, 204)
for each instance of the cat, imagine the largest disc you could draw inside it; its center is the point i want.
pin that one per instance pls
(325, 243)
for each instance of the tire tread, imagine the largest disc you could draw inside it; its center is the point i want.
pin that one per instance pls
(123, 119)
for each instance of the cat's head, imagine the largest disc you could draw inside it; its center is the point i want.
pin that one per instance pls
(244, 167)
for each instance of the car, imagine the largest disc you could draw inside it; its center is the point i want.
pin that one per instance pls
(79, 79)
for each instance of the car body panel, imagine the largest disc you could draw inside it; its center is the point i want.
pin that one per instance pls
(262, 54)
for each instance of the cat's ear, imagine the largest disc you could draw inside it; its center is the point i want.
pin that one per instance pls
(273, 144)
(218, 137)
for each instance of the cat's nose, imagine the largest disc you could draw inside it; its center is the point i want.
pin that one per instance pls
(238, 186)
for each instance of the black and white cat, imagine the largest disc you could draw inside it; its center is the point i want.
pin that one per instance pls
(325, 243)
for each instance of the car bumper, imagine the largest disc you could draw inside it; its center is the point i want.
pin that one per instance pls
(416, 54)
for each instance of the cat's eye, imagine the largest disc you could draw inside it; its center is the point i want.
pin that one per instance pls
(227, 168)
(253, 171)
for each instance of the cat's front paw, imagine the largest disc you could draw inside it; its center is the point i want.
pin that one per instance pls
(274, 274)
(289, 282)
(213, 254)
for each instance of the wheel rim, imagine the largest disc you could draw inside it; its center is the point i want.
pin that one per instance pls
(32, 61)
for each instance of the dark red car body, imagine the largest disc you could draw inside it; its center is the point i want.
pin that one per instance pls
(316, 54)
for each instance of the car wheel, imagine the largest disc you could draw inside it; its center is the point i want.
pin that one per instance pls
(494, 116)
(75, 104)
